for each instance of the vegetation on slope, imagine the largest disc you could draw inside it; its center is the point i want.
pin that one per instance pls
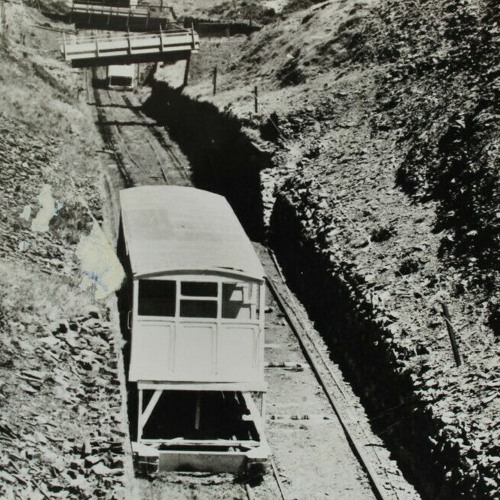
(60, 433)
(384, 116)
(443, 79)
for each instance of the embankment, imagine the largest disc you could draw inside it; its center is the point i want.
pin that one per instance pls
(406, 394)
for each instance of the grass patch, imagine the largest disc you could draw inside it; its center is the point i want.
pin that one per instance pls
(25, 292)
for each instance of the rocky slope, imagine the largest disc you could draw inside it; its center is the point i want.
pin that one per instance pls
(386, 186)
(382, 201)
(62, 425)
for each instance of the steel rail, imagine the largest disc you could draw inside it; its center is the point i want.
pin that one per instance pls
(125, 147)
(372, 475)
(278, 480)
(109, 137)
(322, 357)
(166, 147)
(249, 492)
(283, 496)
(119, 135)
(178, 165)
(162, 170)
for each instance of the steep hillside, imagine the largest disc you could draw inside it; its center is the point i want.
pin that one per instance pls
(383, 116)
(377, 134)
(62, 427)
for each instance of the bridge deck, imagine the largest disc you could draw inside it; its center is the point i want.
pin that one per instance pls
(127, 48)
(122, 15)
(83, 8)
(121, 18)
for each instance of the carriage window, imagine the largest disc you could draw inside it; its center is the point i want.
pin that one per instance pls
(198, 309)
(199, 289)
(156, 298)
(198, 299)
(236, 302)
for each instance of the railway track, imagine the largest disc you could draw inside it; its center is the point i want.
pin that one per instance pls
(331, 387)
(337, 443)
(139, 145)
(162, 142)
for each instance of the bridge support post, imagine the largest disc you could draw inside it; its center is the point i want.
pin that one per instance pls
(214, 80)
(186, 70)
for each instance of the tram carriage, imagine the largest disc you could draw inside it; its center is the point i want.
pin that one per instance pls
(197, 326)
(121, 77)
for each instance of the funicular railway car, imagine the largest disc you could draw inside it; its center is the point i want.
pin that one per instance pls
(121, 76)
(197, 331)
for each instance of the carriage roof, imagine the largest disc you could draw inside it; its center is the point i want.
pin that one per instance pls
(181, 229)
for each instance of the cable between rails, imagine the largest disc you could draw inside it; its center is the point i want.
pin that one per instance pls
(158, 159)
(178, 164)
(108, 138)
(128, 152)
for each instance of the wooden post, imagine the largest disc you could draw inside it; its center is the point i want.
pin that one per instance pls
(214, 80)
(192, 37)
(452, 335)
(145, 414)
(161, 39)
(139, 418)
(87, 94)
(262, 402)
(256, 99)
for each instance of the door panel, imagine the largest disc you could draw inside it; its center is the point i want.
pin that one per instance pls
(152, 351)
(237, 352)
(195, 351)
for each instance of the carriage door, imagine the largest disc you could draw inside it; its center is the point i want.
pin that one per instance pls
(196, 331)
(238, 358)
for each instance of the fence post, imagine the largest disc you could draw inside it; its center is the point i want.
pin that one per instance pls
(256, 99)
(452, 335)
(214, 80)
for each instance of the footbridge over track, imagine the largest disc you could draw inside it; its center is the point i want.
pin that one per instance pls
(126, 48)
(115, 17)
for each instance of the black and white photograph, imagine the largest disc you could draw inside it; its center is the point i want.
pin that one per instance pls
(249, 249)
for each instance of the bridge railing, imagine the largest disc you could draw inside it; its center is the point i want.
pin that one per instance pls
(99, 48)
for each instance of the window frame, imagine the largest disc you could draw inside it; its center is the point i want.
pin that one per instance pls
(251, 293)
(150, 316)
